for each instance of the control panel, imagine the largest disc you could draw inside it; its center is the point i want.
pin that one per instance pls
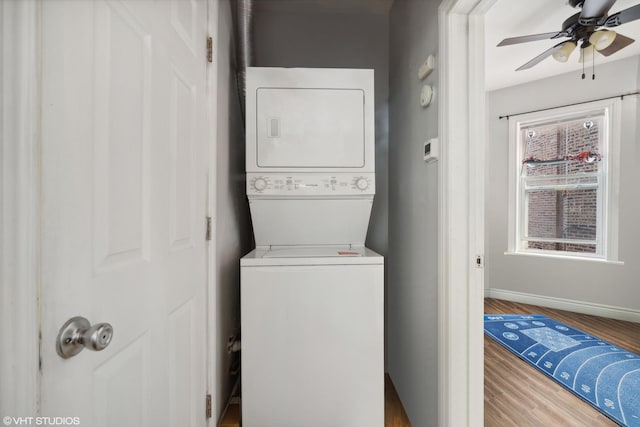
(310, 184)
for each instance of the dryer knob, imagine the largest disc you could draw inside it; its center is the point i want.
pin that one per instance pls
(362, 184)
(260, 184)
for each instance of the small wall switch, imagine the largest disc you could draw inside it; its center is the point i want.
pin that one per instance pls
(427, 67)
(431, 150)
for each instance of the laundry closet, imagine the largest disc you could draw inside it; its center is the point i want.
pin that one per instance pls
(393, 39)
(312, 291)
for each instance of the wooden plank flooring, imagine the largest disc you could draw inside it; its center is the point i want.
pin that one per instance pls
(530, 398)
(394, 414)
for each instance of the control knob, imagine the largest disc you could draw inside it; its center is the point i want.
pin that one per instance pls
(362, 183)
(260, 184)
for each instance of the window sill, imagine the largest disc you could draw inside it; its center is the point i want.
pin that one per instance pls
(565, 257)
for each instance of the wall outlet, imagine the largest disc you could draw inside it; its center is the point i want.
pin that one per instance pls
(431, 150)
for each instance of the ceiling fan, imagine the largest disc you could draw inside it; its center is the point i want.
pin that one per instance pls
(587, 28)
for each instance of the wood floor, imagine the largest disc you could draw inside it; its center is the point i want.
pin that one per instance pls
(531, 398)
(394, 415)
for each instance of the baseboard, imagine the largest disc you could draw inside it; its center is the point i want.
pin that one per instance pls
(583, 307)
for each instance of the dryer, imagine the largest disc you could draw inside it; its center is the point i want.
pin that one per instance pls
(312, 298)
(310, 155)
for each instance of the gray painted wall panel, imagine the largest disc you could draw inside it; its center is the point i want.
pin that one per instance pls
(233, 236)
(413, 213)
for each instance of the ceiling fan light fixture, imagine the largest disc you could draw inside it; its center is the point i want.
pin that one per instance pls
(562, 54)
(602, 39)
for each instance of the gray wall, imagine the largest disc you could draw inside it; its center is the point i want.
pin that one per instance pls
(317, 38)
(233, 237)
(615, 285)
(413, 213)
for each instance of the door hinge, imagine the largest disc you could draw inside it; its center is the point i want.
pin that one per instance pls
(208, 406)
(209, 49)
(207, 235)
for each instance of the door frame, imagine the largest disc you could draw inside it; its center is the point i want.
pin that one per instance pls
(461, 213)
(20, 212)
(213, 336)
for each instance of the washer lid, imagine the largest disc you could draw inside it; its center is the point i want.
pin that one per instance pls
(314, 252)
(310, 256)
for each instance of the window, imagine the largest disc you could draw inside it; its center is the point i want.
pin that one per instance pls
(563, 198)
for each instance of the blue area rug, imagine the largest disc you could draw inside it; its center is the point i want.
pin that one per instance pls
(602, 374)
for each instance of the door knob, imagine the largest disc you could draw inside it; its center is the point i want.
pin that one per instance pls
(77, 333)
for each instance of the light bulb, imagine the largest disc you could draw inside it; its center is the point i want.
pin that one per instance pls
(602, 39)
(562, 54)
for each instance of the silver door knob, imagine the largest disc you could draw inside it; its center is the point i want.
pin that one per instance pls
(77, 333)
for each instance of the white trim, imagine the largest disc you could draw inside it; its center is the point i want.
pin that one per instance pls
(613, 173)
(19, 213)
(563, 256)
(477, 152)
(611, 111)
(213, 337)
(575, 306)
(461, 212)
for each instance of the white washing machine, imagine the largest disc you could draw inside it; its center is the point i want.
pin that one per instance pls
(312, 298)
(312, 338)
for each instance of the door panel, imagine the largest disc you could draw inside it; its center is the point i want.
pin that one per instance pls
(124, 137)
(183, 109)
(121, 137)
(120, 387)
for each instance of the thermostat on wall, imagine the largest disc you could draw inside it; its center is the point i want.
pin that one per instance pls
(431, 150)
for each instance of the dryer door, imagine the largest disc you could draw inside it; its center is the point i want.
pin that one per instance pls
(310, 128)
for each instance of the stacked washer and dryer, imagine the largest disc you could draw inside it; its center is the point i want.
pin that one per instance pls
(312, 299)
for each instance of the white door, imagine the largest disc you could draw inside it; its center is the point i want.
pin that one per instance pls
(124, 136)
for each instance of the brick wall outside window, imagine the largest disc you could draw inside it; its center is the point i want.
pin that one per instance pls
(562, 214)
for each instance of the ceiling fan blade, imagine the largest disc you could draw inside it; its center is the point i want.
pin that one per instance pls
(531, 38)
(624, 16)
(620, 42)
(595, 8)
(541, 57)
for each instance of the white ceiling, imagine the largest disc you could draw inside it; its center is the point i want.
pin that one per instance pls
(512, 18)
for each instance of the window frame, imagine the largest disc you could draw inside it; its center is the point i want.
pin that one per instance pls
(607, 210)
